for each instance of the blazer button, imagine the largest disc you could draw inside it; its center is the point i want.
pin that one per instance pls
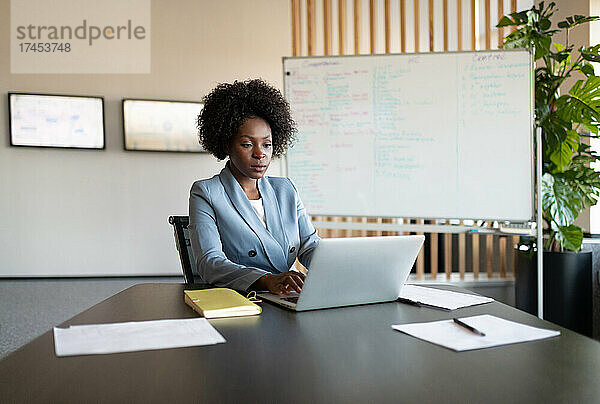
(252, 253)
(292, 250)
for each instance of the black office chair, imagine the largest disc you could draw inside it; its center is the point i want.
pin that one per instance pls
(182, 241)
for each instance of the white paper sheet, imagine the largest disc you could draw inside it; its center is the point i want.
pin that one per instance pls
(443, 299)
(498, 331)
(134, 336)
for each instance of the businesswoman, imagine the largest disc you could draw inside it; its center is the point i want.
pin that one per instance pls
(247, 229)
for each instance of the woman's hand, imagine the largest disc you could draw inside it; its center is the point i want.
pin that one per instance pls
(282, 283)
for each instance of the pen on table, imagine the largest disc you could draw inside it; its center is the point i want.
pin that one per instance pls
(408, 301)
(468, 327)
(415, 303)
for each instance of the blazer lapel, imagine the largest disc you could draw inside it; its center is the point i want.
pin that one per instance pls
(273, 214)
(236, 194)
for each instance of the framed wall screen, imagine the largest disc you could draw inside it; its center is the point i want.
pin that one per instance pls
(155, 125)
(64, 121)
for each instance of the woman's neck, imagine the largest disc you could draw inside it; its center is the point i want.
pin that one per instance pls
(249, 185)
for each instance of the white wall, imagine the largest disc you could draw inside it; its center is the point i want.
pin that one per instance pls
(102, 213)
(580, 36)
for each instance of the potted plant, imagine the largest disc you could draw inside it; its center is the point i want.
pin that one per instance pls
(569, 184)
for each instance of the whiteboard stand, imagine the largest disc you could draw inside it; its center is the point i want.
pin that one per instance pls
(426, 228)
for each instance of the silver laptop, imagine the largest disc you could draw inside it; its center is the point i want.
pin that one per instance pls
(354, 270)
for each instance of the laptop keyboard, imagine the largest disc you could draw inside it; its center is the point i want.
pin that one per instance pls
(293, 299)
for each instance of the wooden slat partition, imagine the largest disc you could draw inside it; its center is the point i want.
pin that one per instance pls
(310, 27)
(330, 232)
(387, 21)
(372, 25)
(513, 9)
(387, 233)
(489, 253)
(502, 254)
(462, 254)
(475, 253)
(417, 23)
(327, 27)
(459, 23)
(402, 26)
(296, 42)
(473, 33)
(445, 24)
(347, 233)
(433, 255)
(356, 27)
(341, 27)
(363, 233)
(515, 241)
(430, 12)
(488, 29)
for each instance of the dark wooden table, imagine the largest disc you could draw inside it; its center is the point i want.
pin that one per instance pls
(336, 355)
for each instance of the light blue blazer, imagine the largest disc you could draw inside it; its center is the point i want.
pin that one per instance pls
(231, 246)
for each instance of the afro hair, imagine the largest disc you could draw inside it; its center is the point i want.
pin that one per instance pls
(227, 106)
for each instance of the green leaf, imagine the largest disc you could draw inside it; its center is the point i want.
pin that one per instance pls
(520, 38)
(584, 179)
(582, 104)
(570, 237)
(560, 56)
(590, 57)
(591, 54)
(587, 69)
(573, 140)
(583, 159)
(520, 17)
(576, 20)
(589, 192)
(561, 156)
(559, 202)
(506, 22)
(554, 130)
(542, 46)
(545, 24)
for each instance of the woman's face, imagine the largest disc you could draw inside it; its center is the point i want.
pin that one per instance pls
(251, 148)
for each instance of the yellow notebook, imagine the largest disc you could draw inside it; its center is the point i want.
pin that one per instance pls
(220, 302)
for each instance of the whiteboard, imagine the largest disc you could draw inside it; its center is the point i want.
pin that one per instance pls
(430, 135)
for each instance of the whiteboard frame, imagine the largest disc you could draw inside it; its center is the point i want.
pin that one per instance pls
(532, 133)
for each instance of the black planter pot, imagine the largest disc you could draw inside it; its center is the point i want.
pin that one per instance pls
(567, 288)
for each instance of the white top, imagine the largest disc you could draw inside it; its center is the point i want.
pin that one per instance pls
(257, 204)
